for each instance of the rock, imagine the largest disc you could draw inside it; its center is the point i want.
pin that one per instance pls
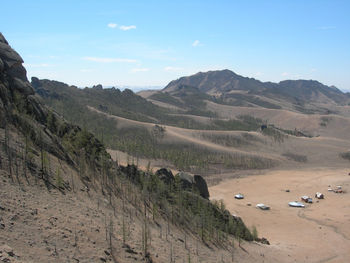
(165, 175)
(98, 87)
(9, 56)
(263, 241)
(202, 186)
(23, 86)
(2, 39)
(1, 65)
(35, 82)
(197, 182)
(17, 71)
(7, 249)
(186, 180)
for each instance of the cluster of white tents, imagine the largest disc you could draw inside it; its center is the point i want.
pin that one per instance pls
(304, 198)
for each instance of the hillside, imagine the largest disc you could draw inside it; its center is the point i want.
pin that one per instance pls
(62, 197)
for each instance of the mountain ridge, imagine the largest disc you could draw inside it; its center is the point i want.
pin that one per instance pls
(231, 87)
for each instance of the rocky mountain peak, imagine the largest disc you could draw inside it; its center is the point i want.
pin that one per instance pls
(12, 70)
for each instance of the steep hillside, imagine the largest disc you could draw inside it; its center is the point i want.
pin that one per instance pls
(62, 197)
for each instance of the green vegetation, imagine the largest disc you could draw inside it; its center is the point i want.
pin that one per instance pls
(325, 120)
(166, 98)
(184, 208)
(275, 133)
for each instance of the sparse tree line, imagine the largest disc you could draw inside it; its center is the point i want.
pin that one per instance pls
(153, 200)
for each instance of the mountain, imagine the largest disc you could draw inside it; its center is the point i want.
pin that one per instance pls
(227, 87)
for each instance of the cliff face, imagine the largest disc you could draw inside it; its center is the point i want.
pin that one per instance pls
(22, 110)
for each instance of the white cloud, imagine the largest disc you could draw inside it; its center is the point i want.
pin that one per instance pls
(140, 69)
(110, 60)
(284, 74)
(195, 43)
(125, 28)
(42, 65)
(112, 25)
(172, 69)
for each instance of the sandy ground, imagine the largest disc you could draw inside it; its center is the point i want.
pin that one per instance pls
(318, 233)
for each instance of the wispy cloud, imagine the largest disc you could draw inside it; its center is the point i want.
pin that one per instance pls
(41, 65)
(284, 74)
(86, 70)
(112, 25)
(172, 69)
(125, 28)
(326, 27)
(195, 43)
(140, 70)
(110, 60)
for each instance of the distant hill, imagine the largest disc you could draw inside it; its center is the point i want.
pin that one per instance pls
(227, 87)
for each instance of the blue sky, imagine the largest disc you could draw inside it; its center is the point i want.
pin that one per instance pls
(143, 43)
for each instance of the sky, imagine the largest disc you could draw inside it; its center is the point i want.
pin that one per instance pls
(150, 43)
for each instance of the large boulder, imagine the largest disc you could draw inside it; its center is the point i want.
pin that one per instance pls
(196, 183)
(202, 186)
(165, 175)
(186, 180)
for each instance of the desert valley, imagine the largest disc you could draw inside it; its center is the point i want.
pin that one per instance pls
(213, 166)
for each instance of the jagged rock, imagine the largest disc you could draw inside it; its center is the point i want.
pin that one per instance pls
(202, 186)
(98, 87)
(23, 86)
(165, 175)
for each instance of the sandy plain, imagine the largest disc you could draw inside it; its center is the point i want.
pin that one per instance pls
(320, 232)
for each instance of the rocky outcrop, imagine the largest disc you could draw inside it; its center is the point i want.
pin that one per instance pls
(202, 186)
(196, 183)
(21, 108)
(165, 175)
(12, 70)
